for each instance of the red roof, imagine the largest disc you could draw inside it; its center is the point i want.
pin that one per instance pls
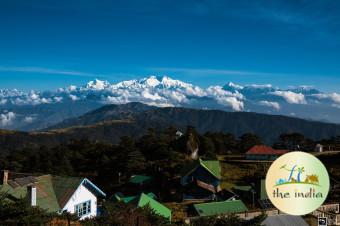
(265, 150)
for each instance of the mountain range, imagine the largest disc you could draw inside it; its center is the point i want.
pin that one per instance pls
(111, 122)
(37, 110)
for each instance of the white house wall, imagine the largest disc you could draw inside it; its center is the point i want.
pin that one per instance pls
(82, 194)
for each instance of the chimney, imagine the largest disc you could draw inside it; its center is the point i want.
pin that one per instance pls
(32, 194)
(5, 177)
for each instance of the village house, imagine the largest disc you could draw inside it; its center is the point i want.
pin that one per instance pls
(263, 152)
(143, 200)
(55, 193)
(201, 180)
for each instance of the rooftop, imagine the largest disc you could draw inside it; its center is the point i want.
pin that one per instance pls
(212, 166)
(160, 209)
(265, 150)
(53, 192)
(219, 208)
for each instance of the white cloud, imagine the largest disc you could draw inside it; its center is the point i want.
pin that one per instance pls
(291, 97)
(117, 100)
(335, 97)
(29, 119)
(175, 96)
(58, 99)
(72, 88)
(226, 98)
(274, 105)
(7, 118)
(233, 102)
(3, 101)
(73, 97)
(157, 104)
(336, 105)
(155, 97)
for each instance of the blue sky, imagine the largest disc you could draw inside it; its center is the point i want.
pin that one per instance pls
(46, 44)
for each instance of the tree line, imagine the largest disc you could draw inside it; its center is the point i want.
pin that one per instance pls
(103, 161)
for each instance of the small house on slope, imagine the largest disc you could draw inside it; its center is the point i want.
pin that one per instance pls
(144, 200)
(55, 193)
(201, 180)
(263, 152)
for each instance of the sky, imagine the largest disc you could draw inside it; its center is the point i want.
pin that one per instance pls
(46, 44)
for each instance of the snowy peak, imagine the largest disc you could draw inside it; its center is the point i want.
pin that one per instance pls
(97, 84)
(233, 86)
(165, 91)
(163, 82)
(152, 81)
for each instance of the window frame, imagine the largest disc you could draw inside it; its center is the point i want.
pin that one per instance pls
(80, 206)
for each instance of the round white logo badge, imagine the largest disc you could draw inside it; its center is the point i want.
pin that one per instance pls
(297, 183)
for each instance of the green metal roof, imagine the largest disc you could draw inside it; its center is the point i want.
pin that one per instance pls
(46, 197)
(17, 193)
(212, 166)
(220, 208)
(159, 208)
(128, 199)
(140, 179)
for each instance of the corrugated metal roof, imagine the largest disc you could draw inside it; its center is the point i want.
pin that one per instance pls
(220, 208)
(130, 199)
(212, 166)
(159, 208)
(46, 198)
(284, 220)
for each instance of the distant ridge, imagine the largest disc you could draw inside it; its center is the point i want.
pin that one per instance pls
(111, 122)
(269, 127)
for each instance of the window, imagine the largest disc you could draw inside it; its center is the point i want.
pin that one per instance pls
(83, 209)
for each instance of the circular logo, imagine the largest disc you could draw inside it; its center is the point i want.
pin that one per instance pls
(297, 183)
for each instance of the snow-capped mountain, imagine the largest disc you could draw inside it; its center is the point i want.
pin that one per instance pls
(37, 110)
